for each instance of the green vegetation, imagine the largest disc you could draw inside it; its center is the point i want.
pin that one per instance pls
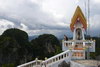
(16, 49)
(97, 53)
(93, 55)
(46, 45)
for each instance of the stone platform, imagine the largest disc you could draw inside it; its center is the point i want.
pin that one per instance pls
(85, 63)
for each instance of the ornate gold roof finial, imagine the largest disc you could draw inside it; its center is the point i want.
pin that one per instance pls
(78, 16)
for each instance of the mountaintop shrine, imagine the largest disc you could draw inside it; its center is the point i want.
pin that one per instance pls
(75, 52)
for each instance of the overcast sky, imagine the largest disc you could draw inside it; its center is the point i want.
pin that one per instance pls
(46, 16)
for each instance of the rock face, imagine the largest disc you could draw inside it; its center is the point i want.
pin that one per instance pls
(98, 57)
(46, 45)
(15, 48)
(64, 64)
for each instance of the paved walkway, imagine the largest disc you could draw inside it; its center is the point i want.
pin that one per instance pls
(88, 62)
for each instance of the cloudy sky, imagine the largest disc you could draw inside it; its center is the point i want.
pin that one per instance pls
(46, 16)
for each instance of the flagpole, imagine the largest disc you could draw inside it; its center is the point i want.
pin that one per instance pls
(88, 53)
(88, 17)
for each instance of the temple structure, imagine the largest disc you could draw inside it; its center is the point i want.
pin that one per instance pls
(76, 49)
(79, 44)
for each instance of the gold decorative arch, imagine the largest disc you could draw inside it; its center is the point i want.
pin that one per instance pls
(78, 14)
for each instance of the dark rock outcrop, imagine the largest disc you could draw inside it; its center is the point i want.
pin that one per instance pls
(64, 64)
(15, 48)
(46, 45)
(98, 57)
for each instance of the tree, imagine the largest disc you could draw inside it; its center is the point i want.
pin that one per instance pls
(15, 47)
(46, 45)
(17, 34)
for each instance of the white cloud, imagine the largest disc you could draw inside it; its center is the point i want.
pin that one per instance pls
(95, 25)
(59, 8)
(24, 27)
(43, 16)
(5, 24)
(95, 21)
(96, 1)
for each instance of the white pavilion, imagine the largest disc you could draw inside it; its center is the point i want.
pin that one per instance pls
(79, 45)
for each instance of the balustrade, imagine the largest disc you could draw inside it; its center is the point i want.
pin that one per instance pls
(81, 44)
(54, 59)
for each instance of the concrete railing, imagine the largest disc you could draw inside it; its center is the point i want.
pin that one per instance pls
(55, 60)
(66, 55)
(85, 44)
(35, 63)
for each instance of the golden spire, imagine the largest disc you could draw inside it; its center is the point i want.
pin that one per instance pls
(78, 14)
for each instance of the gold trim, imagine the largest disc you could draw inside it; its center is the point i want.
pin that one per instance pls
(78, 13)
